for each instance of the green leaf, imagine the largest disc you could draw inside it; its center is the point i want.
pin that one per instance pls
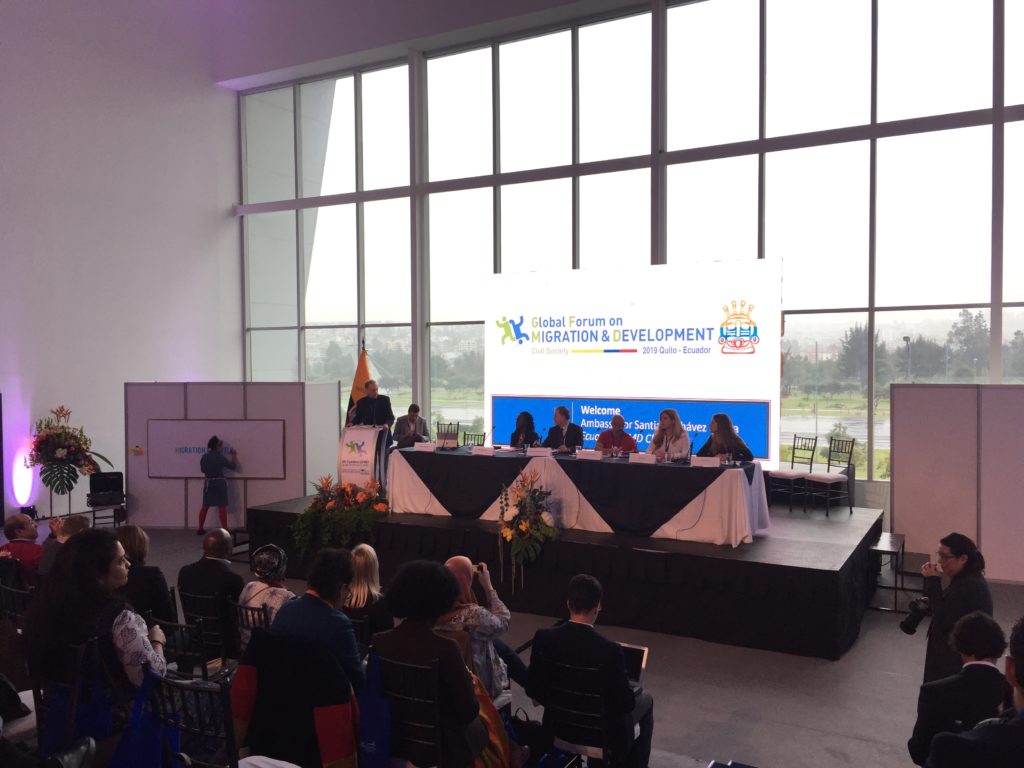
(101, 456)
(59, 477)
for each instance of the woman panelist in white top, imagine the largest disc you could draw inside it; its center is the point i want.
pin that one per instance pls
(670, 441)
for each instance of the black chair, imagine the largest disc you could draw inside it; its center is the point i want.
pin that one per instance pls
(447, 434)
(185, 648)
(60, 686)
(210, 612)
(200, 711)
(834, 483)
(172, 597)
(239, 545)
(574, 710)
(473, 438)
(362, 629)
(247, 618)
(793, 481)
(11, 574)
(415, 712)
(106, 499)
(14, 604)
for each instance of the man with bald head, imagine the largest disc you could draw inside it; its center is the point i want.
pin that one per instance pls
(21, 534)
(212, 576)
(616, 437)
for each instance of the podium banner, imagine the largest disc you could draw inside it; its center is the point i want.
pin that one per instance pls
(358, 452)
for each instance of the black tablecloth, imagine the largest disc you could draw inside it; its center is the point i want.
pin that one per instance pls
(630, 498)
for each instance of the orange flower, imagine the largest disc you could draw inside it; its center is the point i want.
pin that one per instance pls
(332, 504)
(524, 526)
(361, 497)
(380, 506)
(506, 533)
(346, 487)
(325, 482)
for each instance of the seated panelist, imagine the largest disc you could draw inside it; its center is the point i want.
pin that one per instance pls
(411, 428)
(525, 434)
(564, 437)
(724, 441)
(616, 437)
(670, 440)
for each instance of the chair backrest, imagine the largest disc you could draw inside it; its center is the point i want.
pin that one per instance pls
(172, 597)
(415, 712)
(473, 438)
(57, 692)
(250, 616)
(185, 647)
(207, 612)
(575, 708)
(840, 452)
(361, 626)
(803, 450)
(447, 434)
(14, 605)
(200, 711)
(11, 574)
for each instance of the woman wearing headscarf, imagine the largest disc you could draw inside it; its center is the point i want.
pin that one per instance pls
(482, 624)
(268, 564)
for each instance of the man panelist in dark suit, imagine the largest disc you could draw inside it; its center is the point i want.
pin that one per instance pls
(992, 743)
(564, 437)
(373, 409)
(977, 692)
(577, 643)
(211, 576)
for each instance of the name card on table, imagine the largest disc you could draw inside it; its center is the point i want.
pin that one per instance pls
(643, 458)
(588, 454)
(483, 450)
(705, 461)
(429, 447)
(538, 451)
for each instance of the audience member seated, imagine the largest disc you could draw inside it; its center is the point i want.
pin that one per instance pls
(578, 642)
(997, 743)
(421, 592)
(365, 600)
(483, 625)
(146, 590)
(616, 437)
(317, 614)
(77, 602)
(525, 434)
(269, 564)
(211, 576)
(724, 442)
(564, 436)
(21, 533)
(978, 691)
(411, 428)
(61, 529)
(291, 701)
(670, 440)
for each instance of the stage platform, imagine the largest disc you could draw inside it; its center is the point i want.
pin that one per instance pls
(801, 589)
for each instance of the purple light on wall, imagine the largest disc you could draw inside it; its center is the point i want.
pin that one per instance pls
(22, 478)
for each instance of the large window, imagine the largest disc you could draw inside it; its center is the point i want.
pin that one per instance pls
(378, 203)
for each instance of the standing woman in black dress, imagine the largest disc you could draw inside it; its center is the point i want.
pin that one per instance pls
(215, 487)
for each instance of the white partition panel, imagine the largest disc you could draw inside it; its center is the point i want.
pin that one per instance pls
(934, 463)
(323, 428)
(1002, 508)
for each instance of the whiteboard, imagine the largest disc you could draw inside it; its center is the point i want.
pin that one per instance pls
(175, 446)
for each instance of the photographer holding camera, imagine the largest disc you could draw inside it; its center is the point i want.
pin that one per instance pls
(960, 559)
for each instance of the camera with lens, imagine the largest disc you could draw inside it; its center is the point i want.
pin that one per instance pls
(918, 610)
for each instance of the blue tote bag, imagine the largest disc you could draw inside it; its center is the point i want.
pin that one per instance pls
(374, 721)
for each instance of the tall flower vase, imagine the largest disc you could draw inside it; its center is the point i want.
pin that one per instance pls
(62, 452)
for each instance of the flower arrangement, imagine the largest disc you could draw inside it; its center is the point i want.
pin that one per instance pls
(525, 529)
(337, 513)
(63, 451)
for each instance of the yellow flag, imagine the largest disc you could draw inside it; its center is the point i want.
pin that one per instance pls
(359, 381)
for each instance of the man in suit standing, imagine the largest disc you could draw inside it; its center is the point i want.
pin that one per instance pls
(373, 409)
(577, 643)
(211, 576)
(995, 743)
(961, 701)
(564, 437)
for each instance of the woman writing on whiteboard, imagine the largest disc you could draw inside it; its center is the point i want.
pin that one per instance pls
(670, 440)
(215, 487)
(724, 441)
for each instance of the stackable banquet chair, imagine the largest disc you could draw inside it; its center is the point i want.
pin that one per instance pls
(473, 438)
(200, 711)
(575, 710)
(792, 481)
(447, 434)
(834, 483)
(414, 692)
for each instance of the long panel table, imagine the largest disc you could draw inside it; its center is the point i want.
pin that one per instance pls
(717, 505)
